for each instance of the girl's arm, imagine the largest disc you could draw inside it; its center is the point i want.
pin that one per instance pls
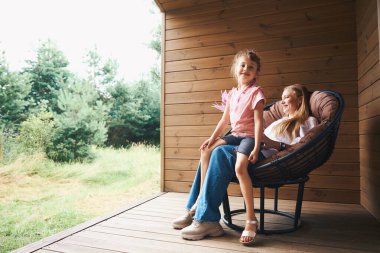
(219, 128)
(310, 123)
(259, 120)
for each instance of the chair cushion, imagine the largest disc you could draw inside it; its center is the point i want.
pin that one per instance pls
(323, 107)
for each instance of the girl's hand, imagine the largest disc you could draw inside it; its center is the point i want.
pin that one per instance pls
(253, 157)
(207, 143)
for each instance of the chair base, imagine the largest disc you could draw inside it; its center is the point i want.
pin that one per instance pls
(294, 218)
(265, 231)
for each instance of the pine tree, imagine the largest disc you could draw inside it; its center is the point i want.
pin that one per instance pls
(126, 120)
(80, 123)
(135, 111)
(48, 74)
(14, 87)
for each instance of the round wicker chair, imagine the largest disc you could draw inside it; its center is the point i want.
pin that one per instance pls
(293, 165)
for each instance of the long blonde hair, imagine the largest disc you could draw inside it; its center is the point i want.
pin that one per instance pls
(251, 54)
(291, 126)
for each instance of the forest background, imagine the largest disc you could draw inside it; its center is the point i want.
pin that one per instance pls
(46, 107)
(72, 147)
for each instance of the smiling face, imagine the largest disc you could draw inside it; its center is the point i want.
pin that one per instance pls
(246, 70)
(290, 102)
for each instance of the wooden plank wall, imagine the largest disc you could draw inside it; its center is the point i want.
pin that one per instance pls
(369, 104)
(300, 41)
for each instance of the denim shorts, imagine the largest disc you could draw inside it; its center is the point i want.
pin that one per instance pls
(246, 144)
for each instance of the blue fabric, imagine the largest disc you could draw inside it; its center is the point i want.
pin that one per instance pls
(220, 172)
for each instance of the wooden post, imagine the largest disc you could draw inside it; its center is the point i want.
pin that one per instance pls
(378, 20)
(162, 110)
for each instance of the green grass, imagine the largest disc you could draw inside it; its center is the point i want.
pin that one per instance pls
(39, 198)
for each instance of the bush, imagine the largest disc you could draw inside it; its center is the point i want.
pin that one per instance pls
(70, 145)
(9, 145)
(36, 132)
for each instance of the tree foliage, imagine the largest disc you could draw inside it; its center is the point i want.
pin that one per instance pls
(101, 74)
(48, 74)
(135, 114)
(37, 130)
(125, 119)
(155, 43)
(14, 88)
(80, 123)
(68, 115)
(148, 92)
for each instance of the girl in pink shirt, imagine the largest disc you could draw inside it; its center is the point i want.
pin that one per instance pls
(244, 110)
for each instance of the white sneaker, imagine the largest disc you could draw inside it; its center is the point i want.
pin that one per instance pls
(199, 230)
(184, 220)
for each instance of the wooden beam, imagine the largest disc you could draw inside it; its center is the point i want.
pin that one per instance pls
(378, 19)
(162, 106)
(159, 5)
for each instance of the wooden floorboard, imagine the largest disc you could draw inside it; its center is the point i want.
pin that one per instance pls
(327, 227)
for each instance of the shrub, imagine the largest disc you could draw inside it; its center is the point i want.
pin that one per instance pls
(9, 145)
(71, 144)
(36, 131)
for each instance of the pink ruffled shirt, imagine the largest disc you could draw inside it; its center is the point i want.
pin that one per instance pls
(242, 103)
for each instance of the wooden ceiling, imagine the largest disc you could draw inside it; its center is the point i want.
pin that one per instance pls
(171, 5)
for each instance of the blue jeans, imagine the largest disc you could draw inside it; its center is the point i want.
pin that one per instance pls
(221, 171)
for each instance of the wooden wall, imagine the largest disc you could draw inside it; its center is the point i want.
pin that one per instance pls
(300, 41)
(369, 103)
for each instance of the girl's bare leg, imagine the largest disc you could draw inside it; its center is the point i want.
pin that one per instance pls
(246, 188)
(205, 160)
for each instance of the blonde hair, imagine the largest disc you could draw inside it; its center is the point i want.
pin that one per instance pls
(291, 126)
(251, 54)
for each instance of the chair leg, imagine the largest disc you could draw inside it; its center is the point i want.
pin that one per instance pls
(297, 213)
(262, 208)
(275, 204)
(226, 209)
(295, 217)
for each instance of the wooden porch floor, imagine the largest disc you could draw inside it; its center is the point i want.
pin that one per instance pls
(146, 227)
